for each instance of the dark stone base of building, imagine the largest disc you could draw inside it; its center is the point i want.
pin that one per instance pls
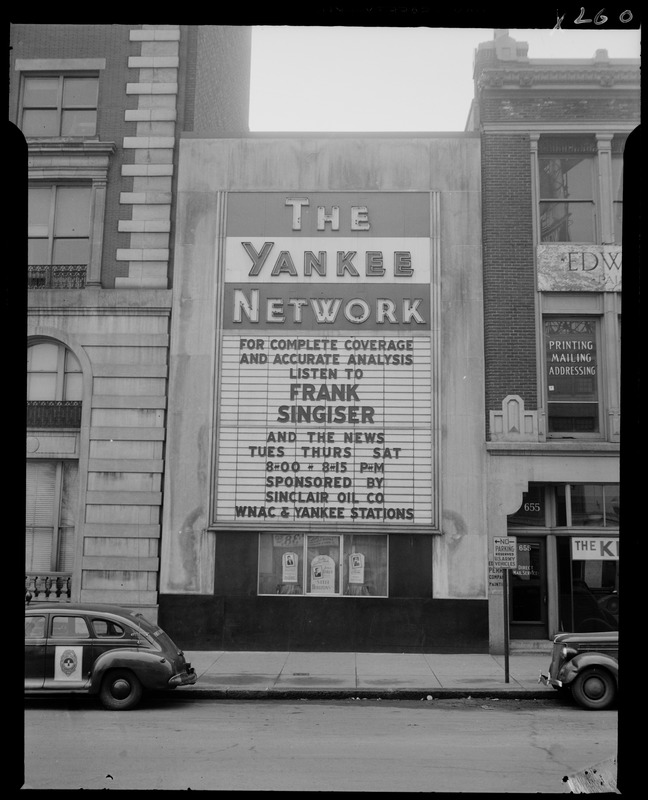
(380, 625)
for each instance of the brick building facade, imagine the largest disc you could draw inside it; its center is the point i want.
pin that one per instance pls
(553, 134)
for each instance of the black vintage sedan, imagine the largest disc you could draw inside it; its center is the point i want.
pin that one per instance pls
(101, 650)
(587, 666)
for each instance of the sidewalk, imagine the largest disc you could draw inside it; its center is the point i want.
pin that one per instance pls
(245, 674)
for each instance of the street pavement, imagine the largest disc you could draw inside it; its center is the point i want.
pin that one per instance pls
(251, 674)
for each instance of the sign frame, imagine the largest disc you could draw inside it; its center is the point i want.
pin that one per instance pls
(432, 525)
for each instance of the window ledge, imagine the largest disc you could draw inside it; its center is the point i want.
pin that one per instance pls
(577, 447)
(45, 145)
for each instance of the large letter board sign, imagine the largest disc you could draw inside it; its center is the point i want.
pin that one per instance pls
(325, 395)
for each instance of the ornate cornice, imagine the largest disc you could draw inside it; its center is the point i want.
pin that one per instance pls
(525, 77)
(60, 158)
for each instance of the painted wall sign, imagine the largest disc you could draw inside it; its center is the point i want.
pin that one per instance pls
(495, 575)
(571, 359)
(325, 363)
(579, 268)
(594, 548)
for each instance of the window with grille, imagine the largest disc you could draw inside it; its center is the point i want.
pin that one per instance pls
(54, 387)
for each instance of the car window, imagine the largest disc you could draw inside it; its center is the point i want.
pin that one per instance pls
(106, 627)
(34, 627)
(70, 626)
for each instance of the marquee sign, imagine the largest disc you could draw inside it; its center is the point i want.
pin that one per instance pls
(325, 383)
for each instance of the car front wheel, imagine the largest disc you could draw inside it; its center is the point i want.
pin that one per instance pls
(120, 690)
(594, 689)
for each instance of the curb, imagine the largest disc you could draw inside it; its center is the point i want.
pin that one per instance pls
(360, 694)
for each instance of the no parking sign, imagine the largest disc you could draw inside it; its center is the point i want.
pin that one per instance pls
(505, 552)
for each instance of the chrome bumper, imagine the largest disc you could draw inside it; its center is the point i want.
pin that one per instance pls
(187, 678)
(549, 681)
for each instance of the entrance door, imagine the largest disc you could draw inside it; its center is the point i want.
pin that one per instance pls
(528, 590)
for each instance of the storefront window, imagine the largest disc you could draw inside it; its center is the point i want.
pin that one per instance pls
(365, 560)
(586, 504)
(323, 564)
(582, 528)
(611, 506)
(588, 578)
(281, 559)
(561, 506)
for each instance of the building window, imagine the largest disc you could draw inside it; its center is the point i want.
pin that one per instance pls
(53, 373)
(58, 220)
(571, 375)
(51, 499)
(54, 387)
(567, 188)
(323, 565)
(59, 105)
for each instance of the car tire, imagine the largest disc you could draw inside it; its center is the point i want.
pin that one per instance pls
(120, 690)
(594, 689)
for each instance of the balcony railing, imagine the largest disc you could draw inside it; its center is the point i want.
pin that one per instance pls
(56, 276)
(54, 413)
(48, 586)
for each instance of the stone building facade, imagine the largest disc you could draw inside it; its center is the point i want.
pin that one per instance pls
(102, 108)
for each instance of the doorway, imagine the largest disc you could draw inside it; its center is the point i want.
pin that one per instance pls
(528, 590)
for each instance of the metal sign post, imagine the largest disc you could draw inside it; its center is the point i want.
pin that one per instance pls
(506, 625)
(505, 557)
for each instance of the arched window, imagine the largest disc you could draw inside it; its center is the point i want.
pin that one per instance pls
(54, 387)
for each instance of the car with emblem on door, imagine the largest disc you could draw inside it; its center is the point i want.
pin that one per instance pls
(102, 650)
(587, 666)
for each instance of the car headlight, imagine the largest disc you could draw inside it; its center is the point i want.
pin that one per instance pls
(568, 652)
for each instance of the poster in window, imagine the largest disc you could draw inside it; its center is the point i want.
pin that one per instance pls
(289, 568)
(356, 568)
(323, 575)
